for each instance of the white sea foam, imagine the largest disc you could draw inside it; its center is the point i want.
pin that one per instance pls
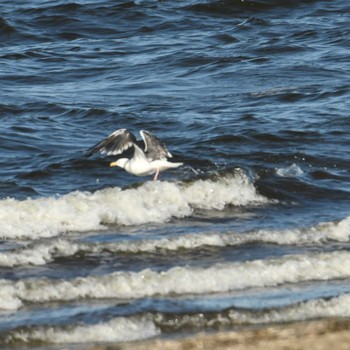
(39, 253)
(8, 296)
(338, 306)
(317, 308)
(335, 307)
(151, 202)
(137, 328)
(116, 330)
(289, 171)
(323, 232)
(42, 252)
(183, 279)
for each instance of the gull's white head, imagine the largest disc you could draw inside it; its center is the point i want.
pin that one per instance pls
(120, 162)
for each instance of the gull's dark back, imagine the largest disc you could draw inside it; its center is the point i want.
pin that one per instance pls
(154, 147)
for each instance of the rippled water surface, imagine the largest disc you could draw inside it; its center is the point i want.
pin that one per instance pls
(253, 98)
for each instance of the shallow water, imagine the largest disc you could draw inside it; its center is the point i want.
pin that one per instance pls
(254, 229)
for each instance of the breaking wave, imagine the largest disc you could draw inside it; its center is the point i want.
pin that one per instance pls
(179, 280)
(149, 325)
(152, 202)
(311, 309)
(42, 252)
(116, 330)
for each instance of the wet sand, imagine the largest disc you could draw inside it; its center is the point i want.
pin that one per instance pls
(316, 335)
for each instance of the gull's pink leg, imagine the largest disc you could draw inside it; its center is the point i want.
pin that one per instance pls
(156, 175)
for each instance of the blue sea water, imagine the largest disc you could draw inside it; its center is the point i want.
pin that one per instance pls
(253, 98)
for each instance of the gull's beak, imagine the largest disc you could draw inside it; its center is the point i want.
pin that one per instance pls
(113, 164)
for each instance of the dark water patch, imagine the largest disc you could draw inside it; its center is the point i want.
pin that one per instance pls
(92, 114)
(11, 142)
(336, 91)
(23, 129)
(69, 22)
(305, 34)
(14, 56)
(302, 136)
(9, 110)
(273, 49)
(303, 93)
(298, 188)
(37, 55)
(64, 8)
(34, 175)
(225, 7)
(56, 20)
(256, 21)
(15, 79)
(5, 27)
(69, 36)
(226, 38)
(269, 138)
(11, 189)
(232, 7)
(228, 139)
(326, 175)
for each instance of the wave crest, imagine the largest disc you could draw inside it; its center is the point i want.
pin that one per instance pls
(42, 252)
(180, 280)
(151, 202)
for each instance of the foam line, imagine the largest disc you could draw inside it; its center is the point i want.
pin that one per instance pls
(152, 202)
(42, 252)
(180, 280)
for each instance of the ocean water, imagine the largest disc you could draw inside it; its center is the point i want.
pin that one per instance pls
(253, 97)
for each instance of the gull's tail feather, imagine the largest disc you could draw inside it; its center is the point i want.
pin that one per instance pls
(174, 165)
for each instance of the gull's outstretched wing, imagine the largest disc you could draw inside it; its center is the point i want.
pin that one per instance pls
(154, 148)
(116, 143)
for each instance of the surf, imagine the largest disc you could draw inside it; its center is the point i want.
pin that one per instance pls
(151, 202)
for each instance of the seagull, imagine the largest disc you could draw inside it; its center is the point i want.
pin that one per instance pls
(151, 160)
